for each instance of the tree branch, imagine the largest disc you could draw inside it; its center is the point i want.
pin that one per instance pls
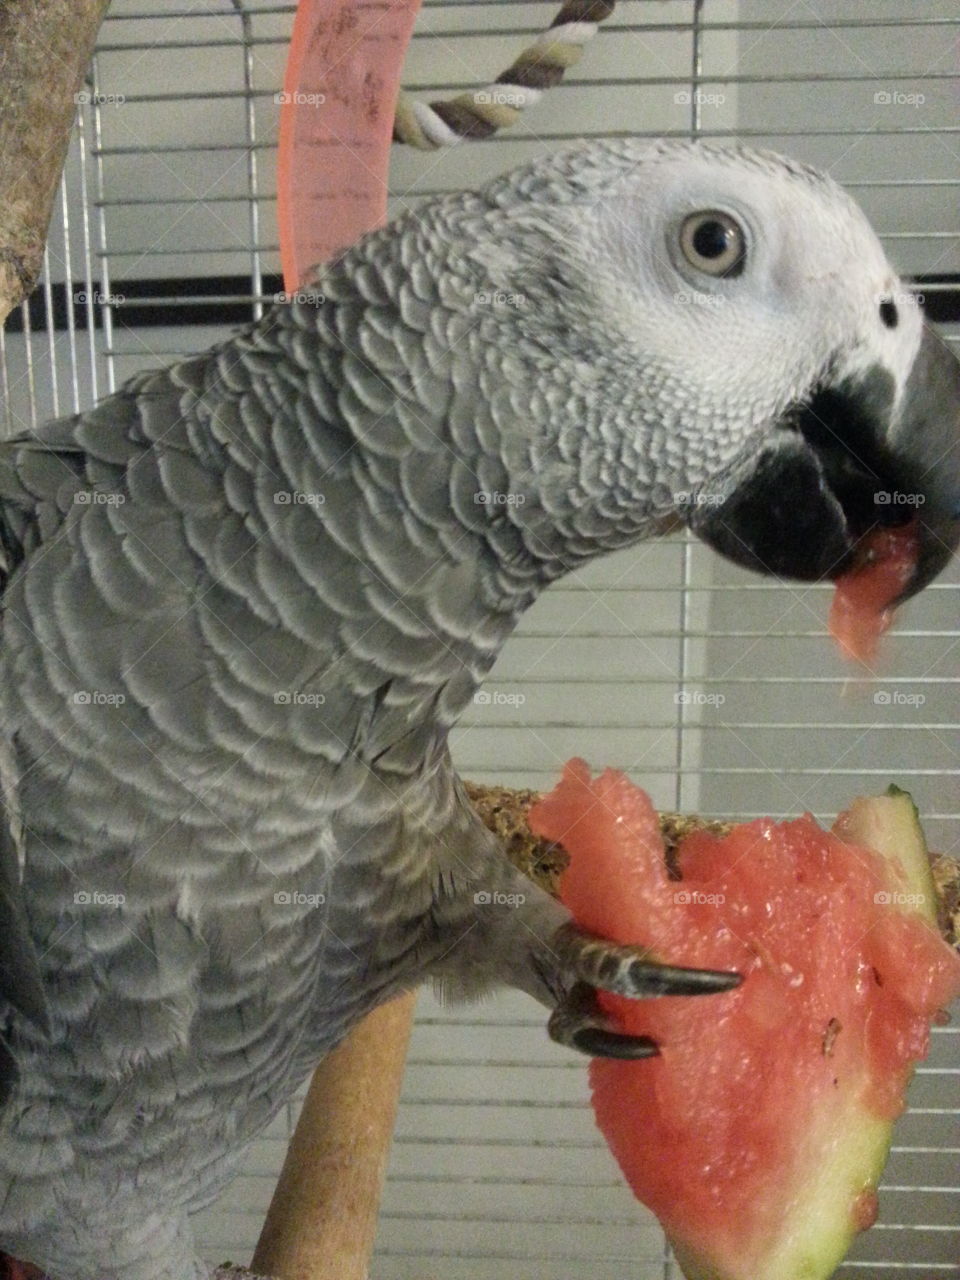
(45, 48)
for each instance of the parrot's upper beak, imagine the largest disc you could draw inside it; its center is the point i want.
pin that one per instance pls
(842, 464)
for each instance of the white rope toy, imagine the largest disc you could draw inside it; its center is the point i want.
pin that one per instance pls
(481, 113)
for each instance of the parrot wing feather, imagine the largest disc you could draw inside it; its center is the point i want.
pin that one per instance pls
(20, 983)
(23, 517)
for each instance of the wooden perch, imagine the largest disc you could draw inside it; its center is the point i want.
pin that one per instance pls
(45, 48)
(323, 1216)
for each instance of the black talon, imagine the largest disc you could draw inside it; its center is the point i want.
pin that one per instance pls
(579, 1023)
(632, 971)
(590, 964)
(668, 980)
(598, 1043)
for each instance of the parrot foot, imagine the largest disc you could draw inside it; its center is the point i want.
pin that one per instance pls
(511, 932)
(596, 964)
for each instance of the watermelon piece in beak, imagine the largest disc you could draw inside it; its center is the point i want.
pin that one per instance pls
(851, 459)
(866, 595)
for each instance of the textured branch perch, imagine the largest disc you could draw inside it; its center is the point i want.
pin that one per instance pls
(505, 812)
(45, 48)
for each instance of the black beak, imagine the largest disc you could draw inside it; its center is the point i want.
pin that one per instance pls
(839, 466)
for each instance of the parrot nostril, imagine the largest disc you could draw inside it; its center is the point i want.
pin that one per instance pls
(888, 313)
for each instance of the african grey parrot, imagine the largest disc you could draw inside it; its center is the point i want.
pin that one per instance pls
(247, 597)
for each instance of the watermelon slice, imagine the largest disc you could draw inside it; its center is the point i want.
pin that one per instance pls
(759, 1134)
(862, 608)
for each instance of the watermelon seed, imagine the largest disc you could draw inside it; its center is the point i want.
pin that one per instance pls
(834, 1026)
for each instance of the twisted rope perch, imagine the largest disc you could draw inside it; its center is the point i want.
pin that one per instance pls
(481, 113)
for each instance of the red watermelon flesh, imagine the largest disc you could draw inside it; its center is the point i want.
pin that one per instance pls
(862, 607)
(759, 1134)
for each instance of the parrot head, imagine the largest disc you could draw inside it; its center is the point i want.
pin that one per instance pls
(737, 352)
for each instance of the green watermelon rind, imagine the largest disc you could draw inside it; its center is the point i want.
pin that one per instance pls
(850, 1149)
(889, 825)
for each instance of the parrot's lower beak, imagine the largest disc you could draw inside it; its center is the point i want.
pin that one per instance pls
(841, 465)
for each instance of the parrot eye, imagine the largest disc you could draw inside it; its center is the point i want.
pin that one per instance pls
(714, 243)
